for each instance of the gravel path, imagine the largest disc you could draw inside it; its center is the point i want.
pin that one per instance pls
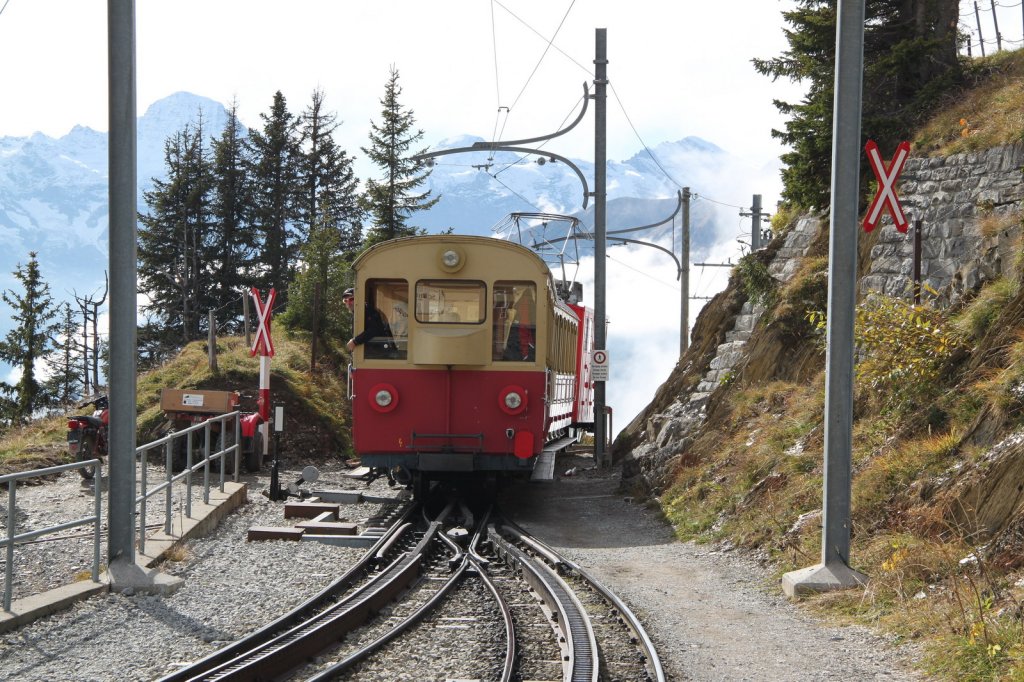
(705, 609)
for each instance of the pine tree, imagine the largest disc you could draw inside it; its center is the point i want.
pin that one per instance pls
(910, 58)
(390, 200)
(234, 240)
(28, 342)
(273, 171)
(330, 187)
(64, 384)
(329, 206)
(175, 237)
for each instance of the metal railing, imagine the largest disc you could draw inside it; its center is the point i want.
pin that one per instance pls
(210, 435)
(12, 538)
(166, 486)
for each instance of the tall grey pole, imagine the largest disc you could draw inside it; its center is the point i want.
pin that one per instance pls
(995, 25)
(122, 171)
(600, 231)
(981, 39)
(684, 285)
(834, 571)
(755, 223)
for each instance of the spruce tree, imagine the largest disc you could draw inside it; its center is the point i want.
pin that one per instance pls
(233, 242)
(910, 59)
(64, 385)
(390, 200)
(329, 184)
(28, 342)
(175, 238)
(273, 170)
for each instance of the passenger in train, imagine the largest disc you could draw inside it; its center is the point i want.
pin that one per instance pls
(377, 335)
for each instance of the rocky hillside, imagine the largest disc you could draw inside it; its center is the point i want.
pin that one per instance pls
(732, 444)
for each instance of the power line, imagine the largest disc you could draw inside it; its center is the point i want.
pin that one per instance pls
(543, 54)
(539, 34)
(4, 7)
(644, 144)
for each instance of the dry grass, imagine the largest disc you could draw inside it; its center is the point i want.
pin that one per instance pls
(987, 115)
(318, 400)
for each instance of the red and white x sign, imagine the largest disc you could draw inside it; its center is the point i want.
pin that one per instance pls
(262, 344)
(886, 177)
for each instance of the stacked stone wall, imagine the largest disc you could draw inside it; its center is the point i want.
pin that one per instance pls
(969, 205)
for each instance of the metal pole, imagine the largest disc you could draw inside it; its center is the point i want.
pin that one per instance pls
(755, 223)
(123, 278)
(995, 23)
(600, 231)
(846, 152)
(833, 571)
(917, 261)
(977, 18)
(684, 264)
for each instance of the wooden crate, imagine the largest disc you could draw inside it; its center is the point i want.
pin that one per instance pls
(192, 400)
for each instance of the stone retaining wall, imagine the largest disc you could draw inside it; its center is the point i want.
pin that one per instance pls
(969, 205)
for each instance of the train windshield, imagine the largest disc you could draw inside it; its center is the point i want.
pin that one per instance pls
(387, 303)
(515, 321)
(450, 301)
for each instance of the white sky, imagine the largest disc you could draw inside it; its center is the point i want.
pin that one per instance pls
(678, 68)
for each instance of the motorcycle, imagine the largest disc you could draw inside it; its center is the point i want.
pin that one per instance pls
(87, 434)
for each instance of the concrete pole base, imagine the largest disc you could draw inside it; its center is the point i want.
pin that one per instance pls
(130, 578)
(821, 578)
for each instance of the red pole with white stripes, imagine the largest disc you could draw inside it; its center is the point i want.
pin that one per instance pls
(264, 345)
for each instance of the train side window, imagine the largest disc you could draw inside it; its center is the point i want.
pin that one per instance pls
(450, 301)
(514, 319)
(391, 298)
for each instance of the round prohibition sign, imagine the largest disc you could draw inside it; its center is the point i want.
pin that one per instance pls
(600, 357)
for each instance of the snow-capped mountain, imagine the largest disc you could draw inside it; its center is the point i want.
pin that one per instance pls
(53, 192)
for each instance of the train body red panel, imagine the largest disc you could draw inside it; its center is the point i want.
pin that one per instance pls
(583, 405)
(440, 410)
(478, 366)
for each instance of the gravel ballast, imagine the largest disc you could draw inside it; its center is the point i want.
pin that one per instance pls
(704, 608)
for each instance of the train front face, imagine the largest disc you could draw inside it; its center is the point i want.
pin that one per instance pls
(460, 384)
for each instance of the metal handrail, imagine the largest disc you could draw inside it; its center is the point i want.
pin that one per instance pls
(12, 538)
(166, 486)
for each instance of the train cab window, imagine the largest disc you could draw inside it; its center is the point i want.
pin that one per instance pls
(450, 301)
(515, 322)
(390, 298)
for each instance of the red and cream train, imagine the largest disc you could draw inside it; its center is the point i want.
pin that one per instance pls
(484, 367)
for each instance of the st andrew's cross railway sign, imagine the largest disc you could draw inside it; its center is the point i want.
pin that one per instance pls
(262, 345)
(886, 195)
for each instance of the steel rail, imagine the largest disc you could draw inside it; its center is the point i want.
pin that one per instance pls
(629, 619)
(287, 650)
(580, 661)
(359, 571)
(398, 628)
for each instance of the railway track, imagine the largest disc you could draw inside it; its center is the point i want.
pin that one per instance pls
(461, 594)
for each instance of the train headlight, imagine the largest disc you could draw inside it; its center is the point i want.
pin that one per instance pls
(451, 258)
(383, 397)
(512, 399)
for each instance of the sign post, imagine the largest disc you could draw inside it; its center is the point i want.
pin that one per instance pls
(264, 346)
